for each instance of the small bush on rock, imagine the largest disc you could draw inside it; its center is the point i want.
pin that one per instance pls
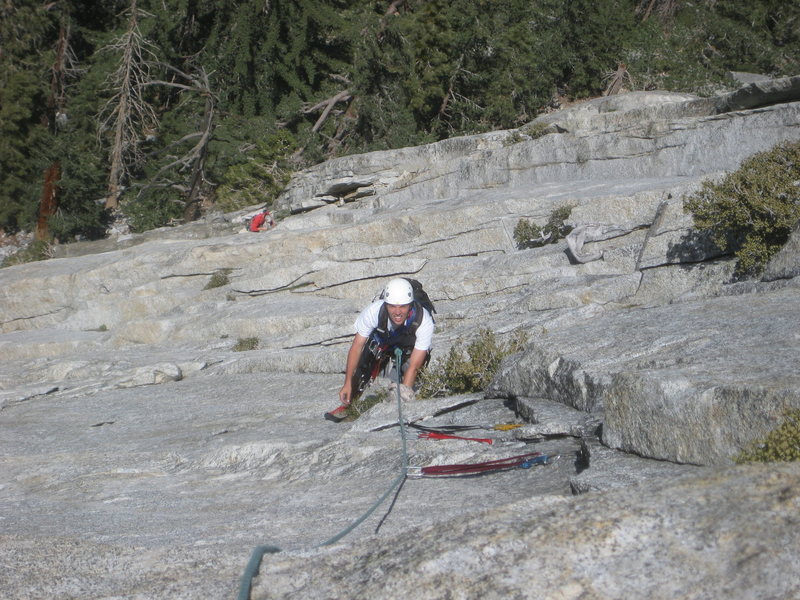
(471, 372)
(751, 212)
(245, 344)
(530, 235)
(782, 444)
(218, 279)
(38, 250)
(361, 405)
(531, 131)
(534, 130)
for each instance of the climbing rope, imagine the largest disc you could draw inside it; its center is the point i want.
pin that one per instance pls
(258, 553)
(522, 461)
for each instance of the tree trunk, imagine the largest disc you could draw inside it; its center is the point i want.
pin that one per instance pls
(49, 201)
(116, 156)
(127, 112)
(192, 209)
(121, 116)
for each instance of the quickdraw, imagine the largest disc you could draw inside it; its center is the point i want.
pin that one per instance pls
(455, 428)
(435, 435)
(523, 461)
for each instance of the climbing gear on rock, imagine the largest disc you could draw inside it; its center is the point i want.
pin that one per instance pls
(435, 435)
(254, 563)
(524, 461)
(454, 428)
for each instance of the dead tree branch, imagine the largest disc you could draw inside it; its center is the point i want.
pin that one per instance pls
(394, 7)
(665, 9)
(451, 88)
(617, 79)
(327, 106)
(127, 112)
(195, 157)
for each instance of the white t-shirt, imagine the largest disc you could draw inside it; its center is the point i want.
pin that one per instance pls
(367, 321)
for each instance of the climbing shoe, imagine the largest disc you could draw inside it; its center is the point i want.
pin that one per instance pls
(337, 415)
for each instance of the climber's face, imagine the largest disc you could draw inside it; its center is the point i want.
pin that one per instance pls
(398, 313)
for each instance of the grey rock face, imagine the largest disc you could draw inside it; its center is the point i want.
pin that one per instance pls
(786, 263)
(684, 539)
(699, 369)
(142, 456)
(760, 93)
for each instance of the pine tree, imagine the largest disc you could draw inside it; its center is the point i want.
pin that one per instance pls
(203, 90)
(594, 42)
(25, 35)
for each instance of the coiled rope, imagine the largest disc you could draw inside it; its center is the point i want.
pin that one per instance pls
(254, 563)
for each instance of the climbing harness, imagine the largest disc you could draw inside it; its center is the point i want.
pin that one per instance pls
(402, 336)
(523, 461)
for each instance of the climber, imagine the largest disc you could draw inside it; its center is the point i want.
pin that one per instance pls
(401, 317)
(263, 221)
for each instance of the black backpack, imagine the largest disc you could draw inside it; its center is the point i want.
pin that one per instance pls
(420, 295)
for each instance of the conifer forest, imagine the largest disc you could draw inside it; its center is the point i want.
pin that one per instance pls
(158, 111)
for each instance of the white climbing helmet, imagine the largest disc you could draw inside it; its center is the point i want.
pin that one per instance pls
(398, 291)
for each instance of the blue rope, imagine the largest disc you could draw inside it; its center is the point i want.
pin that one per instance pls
(254, 563)
(252, 569)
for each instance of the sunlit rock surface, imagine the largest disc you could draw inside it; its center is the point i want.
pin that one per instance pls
(142, 457)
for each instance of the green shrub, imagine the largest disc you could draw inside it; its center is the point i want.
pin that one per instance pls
(514, 138)
(220, 278)
(365, 402)
(751, 212)
(782, 444)
(156, 208)
(38, 250)
(471, 372)
(245, 344)
(259, 176)
(534, 130)
(529, 235)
